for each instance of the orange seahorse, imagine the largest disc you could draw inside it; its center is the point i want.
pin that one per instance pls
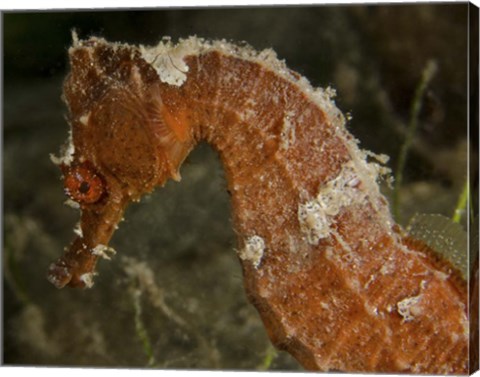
(336, 282)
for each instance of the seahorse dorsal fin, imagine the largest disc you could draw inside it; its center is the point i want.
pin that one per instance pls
(178, 123)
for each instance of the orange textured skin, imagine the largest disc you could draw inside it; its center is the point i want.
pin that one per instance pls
(339, 288)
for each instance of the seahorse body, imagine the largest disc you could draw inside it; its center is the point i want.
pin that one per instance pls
(334, 279)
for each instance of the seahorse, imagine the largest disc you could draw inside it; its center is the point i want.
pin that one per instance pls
(336, 282)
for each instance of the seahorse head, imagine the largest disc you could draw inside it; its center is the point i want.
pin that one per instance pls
(112, 155)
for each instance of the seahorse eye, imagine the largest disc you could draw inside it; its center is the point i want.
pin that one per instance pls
(84, 187)
(83, 184)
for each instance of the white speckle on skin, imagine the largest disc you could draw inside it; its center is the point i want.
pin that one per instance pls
(52, 278)
(67, 151)
(288, 131)
(409, 308)
(370, 280)
(78, 230)
(253, 250)
(313, 222)
(441, 275)
(317, 215)
(386, 269)
(103, 251)
(87, 279)
(325, 306)
(75, 38)
(84, 118)
(72, 203)
(167, 60)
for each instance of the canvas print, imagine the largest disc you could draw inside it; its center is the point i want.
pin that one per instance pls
(288, 188)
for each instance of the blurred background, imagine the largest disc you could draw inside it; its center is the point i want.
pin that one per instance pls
(173, 297)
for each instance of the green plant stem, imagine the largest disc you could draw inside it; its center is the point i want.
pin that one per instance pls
(461, 203)
(416, 106)
(141, 330)
(271, 354)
